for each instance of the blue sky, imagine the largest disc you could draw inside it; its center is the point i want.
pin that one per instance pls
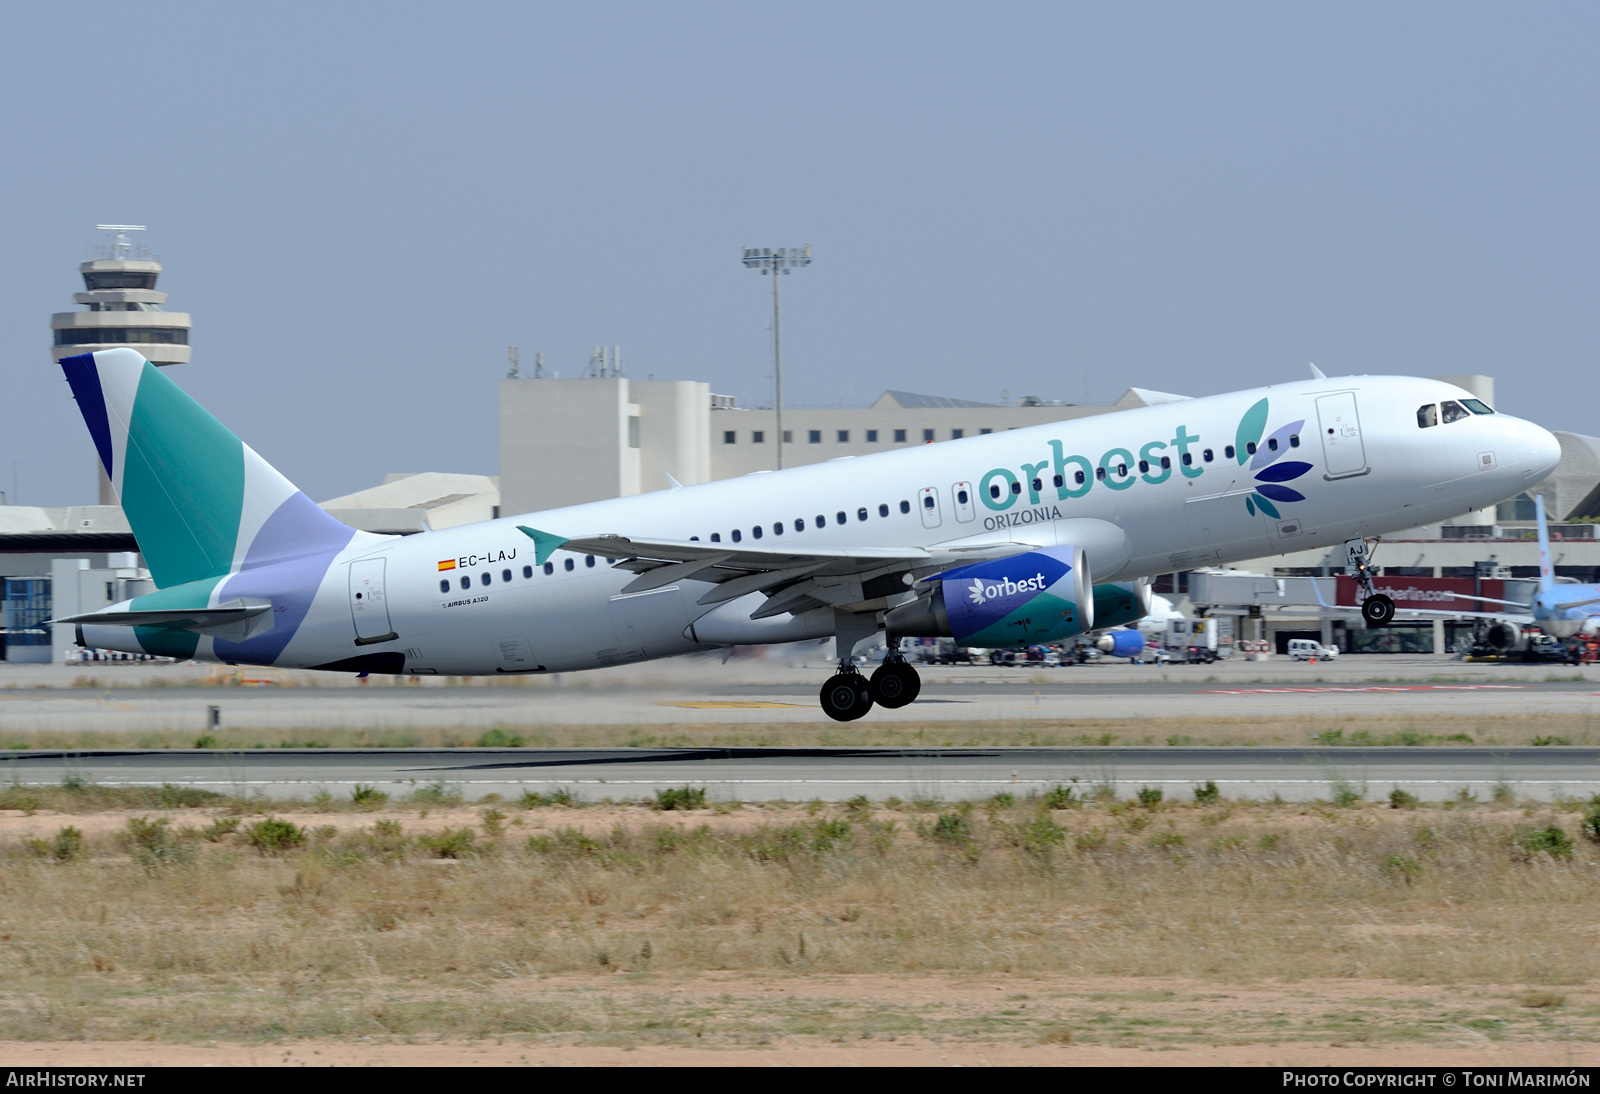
(363, 204)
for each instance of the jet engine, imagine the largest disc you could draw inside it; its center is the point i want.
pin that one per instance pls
(1019, 600)
(1504, 636)
(1121, 602)
(1123, 643)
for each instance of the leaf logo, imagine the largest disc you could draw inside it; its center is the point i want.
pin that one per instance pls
(976, 593)
(1263, 458)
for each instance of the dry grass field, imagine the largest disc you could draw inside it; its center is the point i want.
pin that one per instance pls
(1036, 927)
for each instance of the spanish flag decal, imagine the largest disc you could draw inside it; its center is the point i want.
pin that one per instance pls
(448, 564)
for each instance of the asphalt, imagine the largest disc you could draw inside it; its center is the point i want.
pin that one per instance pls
(832, 774)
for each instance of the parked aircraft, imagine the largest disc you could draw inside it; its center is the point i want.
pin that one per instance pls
(991, 540)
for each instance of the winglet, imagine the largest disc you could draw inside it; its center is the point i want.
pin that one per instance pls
(1317, 373)
(674, 483)
(544, 544)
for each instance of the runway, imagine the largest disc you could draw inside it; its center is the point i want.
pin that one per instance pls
(179, 698)
(832, 774)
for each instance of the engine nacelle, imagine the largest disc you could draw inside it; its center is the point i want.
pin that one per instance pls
(1121, 602)
(1504, 636)
(1020, 600)
(1123, 643)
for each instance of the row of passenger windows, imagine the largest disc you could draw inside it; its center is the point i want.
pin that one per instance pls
(842, 436)
(1450, 411)
(487, 577)
(820, 522)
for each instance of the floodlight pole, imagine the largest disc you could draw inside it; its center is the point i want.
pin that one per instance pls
(776, 261)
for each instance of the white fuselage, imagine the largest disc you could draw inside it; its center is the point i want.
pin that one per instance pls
(1378, 473)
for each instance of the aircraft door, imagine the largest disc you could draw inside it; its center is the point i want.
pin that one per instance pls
(928, 505)
(369, 602)
(1341, 435)
(962, 492)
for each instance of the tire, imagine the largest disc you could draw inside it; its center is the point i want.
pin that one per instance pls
(895, 685)
(1377, 610)
(846, 696)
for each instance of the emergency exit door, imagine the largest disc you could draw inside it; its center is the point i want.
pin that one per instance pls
(369, 604)
(1341, 435)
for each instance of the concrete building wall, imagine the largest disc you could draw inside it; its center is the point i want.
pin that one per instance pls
(674, 424)
(563, 442)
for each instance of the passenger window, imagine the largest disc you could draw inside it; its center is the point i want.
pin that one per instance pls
(736, 536)
(1452, 412)
(694, 539)
(1250, 449)
(927, 502)
(1227, 453)
(994, 490)
(1427, 416)
(527, 571)
(861, 514)
(1272, 444)
(568, 565)
(1100, 473)
(1207, 455)
(549, 567)
(588, 560)
(1144, 467)
(1016, 488)
(822, 521)
(1077, 477)
(1059, 482)
(444, 586)
(799, 524)
(505, 575)
(777, 528)
(1294, 440)
(839, 517)
(961, 497)
(756, 531)
(883, 510)
(1166, 463)
(905, 507)
(1037, 485)
(716, 537)
(485, 578)
(1477, 406)
(466, 582)
(1122, 470)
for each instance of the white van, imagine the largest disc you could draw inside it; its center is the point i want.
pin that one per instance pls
(1305, 649)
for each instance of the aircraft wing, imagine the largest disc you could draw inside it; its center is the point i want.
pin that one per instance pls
(793, 580)
(1575, 604)
(1437, 613)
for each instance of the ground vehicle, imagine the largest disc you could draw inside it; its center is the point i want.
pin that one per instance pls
(1307, 649)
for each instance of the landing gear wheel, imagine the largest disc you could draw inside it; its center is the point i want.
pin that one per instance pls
(1377, 610)
(895, 684)
(846, 696)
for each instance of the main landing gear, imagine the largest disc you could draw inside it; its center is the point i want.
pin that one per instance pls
(1377, 609)
(848, 695)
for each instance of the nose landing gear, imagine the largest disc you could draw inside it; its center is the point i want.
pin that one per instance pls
(1377, 609)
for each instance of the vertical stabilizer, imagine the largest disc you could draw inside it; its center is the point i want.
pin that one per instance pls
(1547, 573)
(201, 504)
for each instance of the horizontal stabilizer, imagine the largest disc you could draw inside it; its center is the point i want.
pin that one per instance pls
(188, 619)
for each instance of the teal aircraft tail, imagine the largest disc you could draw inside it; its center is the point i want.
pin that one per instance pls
(215, 523)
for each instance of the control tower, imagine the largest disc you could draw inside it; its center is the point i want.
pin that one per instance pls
(123, 309)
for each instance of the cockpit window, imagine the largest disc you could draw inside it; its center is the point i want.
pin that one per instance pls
(1427, 416)
(1453, 412)
(1477, 406)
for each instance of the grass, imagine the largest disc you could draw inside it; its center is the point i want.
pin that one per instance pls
(195, 924)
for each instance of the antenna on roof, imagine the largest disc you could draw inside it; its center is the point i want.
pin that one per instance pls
(120, 244)
(1317, 373)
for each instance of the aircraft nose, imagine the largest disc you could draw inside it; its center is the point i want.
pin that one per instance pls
(1541, 452)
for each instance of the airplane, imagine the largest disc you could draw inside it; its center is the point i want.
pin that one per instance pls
(1022, 537)
(1132, 640)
